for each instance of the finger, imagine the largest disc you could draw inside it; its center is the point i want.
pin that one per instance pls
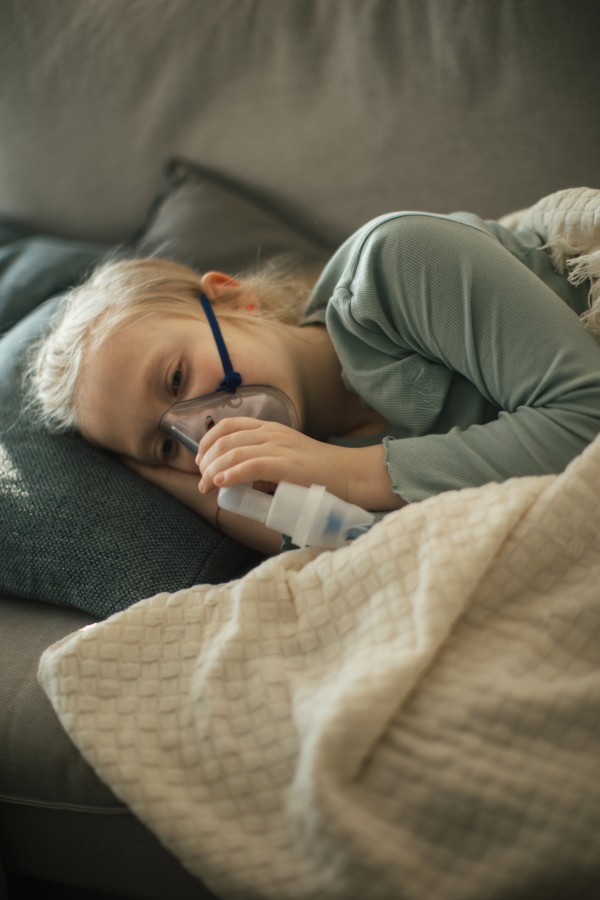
(252, 471)
(226, 426)
(243, 467)
(237, 440)
(212, 470)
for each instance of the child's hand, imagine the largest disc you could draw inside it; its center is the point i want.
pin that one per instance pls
(239, 450)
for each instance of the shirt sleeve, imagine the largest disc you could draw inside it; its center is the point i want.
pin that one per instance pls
(436, 323)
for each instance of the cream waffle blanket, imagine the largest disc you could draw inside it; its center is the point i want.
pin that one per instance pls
(414, 717)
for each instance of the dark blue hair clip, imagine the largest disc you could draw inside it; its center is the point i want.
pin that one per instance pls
(232, 379)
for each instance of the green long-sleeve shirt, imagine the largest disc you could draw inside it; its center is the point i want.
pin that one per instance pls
(469, 343)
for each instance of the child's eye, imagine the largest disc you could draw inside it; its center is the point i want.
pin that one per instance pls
(176, 381)
(167, 446)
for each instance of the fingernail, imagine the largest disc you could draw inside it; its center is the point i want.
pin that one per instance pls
(202, 486)
(219, 479)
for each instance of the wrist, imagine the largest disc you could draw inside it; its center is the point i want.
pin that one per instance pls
(248, 532)
(369, 481)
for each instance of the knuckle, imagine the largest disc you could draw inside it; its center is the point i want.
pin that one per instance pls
(220, 446)
(234, 457)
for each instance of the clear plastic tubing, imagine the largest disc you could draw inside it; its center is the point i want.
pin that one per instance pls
(312, 517)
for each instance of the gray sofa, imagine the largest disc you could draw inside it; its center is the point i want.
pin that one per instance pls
(329, 111)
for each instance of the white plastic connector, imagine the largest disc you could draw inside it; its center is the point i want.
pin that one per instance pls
(311, 516)
(245, 501)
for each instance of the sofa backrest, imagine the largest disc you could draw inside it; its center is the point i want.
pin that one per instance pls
(333, 110)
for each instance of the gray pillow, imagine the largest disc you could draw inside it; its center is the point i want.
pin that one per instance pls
(208, 222)
(79, 529)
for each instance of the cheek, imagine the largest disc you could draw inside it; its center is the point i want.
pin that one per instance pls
(185, 462)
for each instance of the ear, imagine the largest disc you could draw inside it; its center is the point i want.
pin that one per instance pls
(216, 283)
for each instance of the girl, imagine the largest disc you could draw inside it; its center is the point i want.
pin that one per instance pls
(435, 353)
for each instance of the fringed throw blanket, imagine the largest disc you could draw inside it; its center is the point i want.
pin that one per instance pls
(416, 716)
(569, 222)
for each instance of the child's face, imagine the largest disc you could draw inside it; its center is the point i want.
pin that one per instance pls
(144, 367)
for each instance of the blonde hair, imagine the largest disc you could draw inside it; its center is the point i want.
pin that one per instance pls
(120, 289)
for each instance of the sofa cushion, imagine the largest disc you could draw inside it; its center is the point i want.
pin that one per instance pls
(38, 763)
(79, 529)
(33, 267)
(341, 111)
(209, 222)
(76, 527)
(58, 821)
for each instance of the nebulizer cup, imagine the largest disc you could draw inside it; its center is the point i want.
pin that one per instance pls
(311, 516)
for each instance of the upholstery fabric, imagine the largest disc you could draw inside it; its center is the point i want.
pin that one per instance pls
(34, 267)
(336, 112)
(37, 764)
(57, 819)
(412, 716)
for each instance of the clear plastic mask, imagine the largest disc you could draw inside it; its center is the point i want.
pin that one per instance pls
(189, 420)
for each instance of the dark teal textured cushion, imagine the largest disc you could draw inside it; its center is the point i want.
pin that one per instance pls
(34, 267)
(76, 527)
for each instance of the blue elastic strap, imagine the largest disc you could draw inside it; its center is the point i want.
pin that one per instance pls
(232, 379)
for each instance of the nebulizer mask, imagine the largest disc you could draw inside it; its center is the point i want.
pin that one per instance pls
(311, 516)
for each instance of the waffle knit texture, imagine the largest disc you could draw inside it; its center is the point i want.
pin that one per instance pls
(413, 716)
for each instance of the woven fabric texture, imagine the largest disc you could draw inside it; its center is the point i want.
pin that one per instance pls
(413, 716)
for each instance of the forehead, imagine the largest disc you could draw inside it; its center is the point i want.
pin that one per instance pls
(147, 321)
(129, 340)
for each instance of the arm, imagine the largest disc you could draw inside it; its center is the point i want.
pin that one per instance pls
(434, 320)
(356, 475)
(243, 450)
(184, 487)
